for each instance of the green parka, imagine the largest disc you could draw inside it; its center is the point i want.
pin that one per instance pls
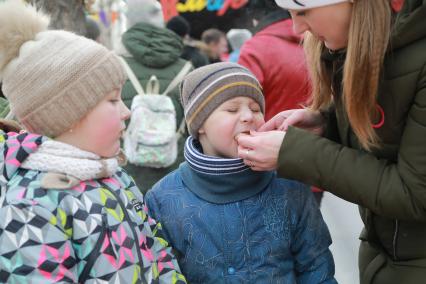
(389, 183)
(154, 51)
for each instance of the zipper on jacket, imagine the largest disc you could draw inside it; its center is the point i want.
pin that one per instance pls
(131, 225)
(395, 236)
(93, 255)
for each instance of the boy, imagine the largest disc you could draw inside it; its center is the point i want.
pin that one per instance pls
(228, 223)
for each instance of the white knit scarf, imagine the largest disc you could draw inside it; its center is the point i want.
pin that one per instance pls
(57, 157)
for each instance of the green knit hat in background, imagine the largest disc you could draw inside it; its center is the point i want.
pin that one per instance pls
(206, 88)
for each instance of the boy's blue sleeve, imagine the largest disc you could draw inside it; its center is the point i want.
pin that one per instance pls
(154, 210)
(152, 205)
(313, 259)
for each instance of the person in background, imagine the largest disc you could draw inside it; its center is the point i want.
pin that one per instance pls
(68, 212)
(92, 29)
(192, 48)
(147, 57)
(217, 45)
(364, 136)
(236, 38)
(275, 56)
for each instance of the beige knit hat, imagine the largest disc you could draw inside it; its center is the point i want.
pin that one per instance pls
(52, 79)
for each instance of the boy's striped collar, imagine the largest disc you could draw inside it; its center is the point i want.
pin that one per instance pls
(208, 164)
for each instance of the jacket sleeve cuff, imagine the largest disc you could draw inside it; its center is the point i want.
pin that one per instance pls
(295, 157)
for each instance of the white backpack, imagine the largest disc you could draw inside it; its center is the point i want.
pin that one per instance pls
(151, 138)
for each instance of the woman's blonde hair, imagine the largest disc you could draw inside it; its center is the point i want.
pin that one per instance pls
(368, 40)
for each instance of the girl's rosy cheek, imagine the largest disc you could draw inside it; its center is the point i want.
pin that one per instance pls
(108, 129)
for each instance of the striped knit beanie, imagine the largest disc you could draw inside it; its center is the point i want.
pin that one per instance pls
(52, 79)
(206, 88)
(306, 4)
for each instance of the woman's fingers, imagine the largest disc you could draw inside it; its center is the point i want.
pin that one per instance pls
(271, 124)
(246, 142)
(294, 119)
(261, 149)
(275, 122)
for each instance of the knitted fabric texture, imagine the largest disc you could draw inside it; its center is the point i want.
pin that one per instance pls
(306, 4)
(208, 164)
(218, 180)
(57, 157)
(57, 79)
(206, 88)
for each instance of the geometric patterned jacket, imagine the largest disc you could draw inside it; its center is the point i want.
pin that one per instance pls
(96, 232)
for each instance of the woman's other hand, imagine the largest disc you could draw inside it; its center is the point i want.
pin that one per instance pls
(309, 120)
(260, 150)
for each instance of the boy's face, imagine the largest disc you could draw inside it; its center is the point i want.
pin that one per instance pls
(238, 115)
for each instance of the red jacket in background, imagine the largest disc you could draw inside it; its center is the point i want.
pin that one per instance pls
(276, 58)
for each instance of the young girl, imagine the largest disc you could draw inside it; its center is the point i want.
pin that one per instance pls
(68, 213)
(368, 64)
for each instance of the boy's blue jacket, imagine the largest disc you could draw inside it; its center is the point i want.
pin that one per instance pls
(273, 234)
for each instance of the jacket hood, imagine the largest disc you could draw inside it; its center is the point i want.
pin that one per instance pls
(16, 149)
(410, 24)
(282, 29)
(271, 18)
(152, 46)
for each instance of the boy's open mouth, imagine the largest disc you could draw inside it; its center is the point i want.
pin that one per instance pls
(247, 132)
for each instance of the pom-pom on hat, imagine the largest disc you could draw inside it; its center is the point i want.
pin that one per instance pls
(306, 4)
(52, 79)
(207, 87)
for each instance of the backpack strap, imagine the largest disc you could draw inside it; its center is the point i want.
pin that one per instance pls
(132, 77)
(179, 77)
(181, 129)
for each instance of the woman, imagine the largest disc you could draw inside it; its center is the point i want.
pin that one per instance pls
(368, 66)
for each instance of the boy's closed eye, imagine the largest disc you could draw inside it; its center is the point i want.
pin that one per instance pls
(232, 110)
(255, 108)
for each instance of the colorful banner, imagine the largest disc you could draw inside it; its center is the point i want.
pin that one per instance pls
(172, 8)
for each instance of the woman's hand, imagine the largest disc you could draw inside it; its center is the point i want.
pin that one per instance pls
(260, 150)
(306, 119)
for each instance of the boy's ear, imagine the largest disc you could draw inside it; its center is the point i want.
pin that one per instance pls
(201, 130)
